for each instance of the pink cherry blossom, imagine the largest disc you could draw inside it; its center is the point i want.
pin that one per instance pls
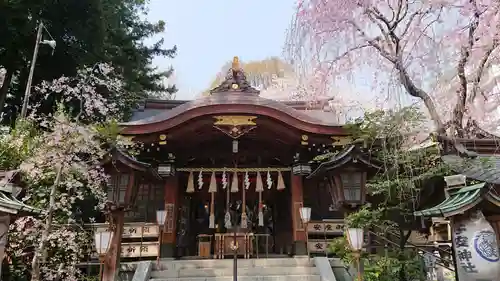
(61, 166)
(438, 51)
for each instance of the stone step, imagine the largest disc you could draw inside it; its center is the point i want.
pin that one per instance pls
(247, 278)
(228, 263)
(244, 271)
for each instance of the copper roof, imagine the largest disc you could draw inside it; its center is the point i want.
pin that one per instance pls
(232, 98)
(350, 154)
(8, 192)
(234, 90)
(459, 201)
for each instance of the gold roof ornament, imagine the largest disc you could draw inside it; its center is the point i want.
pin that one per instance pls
(236, 64)
(235, 81)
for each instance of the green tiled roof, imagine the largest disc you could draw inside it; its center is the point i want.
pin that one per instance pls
(459, 201)
(11, 205)
(493, 198)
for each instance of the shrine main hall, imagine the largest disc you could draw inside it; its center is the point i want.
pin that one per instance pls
(234, 164)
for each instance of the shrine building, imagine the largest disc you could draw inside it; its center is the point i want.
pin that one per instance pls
(234, 162)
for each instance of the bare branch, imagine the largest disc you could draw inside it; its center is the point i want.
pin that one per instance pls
(374, 43)
(480, 70)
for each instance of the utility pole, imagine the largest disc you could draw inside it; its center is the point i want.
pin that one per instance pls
(27, 91)
(52, 44)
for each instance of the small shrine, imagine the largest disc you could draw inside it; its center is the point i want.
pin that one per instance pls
(472, 204)
(10, 207)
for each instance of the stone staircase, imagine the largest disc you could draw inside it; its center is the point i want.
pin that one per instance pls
(275, 269)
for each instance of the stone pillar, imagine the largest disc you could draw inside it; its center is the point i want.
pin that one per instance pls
(298, 228)
(112, 258)
(171, 205)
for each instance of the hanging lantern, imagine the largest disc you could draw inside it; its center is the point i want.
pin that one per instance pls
(190, 183)
(301, 169)
(166, 169)
(235, 146)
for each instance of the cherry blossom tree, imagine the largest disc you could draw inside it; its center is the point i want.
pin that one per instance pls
(440, 52)
(62, 170)
(96, 93)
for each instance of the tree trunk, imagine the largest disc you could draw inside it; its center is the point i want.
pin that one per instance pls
(417, 92)
(35, 263)
(5, 87)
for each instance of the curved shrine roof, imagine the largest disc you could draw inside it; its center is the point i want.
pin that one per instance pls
(155, 115)
(350, 154)
(233, 96)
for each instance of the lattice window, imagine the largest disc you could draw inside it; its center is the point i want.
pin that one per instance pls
(149, 199)
(118, 187)
(351, 183)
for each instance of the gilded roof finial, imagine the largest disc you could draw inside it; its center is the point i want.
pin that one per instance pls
(235, 81)
(236, 64)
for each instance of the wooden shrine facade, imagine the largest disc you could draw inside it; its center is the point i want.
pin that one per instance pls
(234, 162)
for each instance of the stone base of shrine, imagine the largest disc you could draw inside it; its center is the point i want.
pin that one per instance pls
(168, 250)
(299, 248)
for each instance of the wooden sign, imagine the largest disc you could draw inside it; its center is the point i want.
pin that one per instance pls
(138, 249)
(326, 227)
(318, 246)
(133, 230)
(169, 220)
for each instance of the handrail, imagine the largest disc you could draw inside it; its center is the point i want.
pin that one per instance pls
(441, 263)
(411, 244)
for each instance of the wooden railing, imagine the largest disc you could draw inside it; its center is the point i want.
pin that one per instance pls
(321, 233)
(138, 240)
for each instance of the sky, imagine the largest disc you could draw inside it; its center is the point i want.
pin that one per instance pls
(210, 33)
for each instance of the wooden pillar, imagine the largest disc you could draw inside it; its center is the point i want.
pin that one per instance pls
(4, 230)
(111, 266)
(298, 228)
(112, 259)
(171, 205)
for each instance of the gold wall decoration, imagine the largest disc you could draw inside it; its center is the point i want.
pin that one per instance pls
(235, 126)
(304, 140)
(340, 140)
(163, 139)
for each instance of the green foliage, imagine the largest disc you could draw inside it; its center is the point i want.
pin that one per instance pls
(396, 189)
(71, 150)
(86, 32)
(390, 124)
(17, 144)
(365, 217)
(381, 267)
(394, 192)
